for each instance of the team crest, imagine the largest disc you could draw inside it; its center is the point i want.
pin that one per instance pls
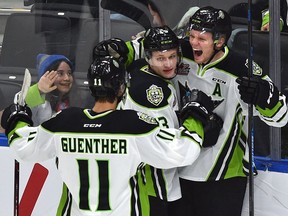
(257, 70)
(154, 95)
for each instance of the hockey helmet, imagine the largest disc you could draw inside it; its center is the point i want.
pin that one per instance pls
(213, 20)
(160, 39)
(115, 47)
(106, 75)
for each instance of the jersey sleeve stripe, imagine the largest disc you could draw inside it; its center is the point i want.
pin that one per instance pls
(165, 135)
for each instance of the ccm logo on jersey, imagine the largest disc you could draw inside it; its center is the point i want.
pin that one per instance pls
(219, 80)
(92, 125)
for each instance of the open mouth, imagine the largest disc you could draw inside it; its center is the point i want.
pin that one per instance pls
(197, 52)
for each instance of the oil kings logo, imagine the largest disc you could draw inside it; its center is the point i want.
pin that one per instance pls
(257, 70)
(147, 118)
(154, 95)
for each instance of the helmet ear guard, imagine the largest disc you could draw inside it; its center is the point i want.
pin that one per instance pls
(147, 55)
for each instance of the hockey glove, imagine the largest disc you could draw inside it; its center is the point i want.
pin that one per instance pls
(113, 47)
(257, 91)
(200, 106)
(197, 102)
(13, 114)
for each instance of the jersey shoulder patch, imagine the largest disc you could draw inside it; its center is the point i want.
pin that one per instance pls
(146, 118)
(154, 95)
(256, 69)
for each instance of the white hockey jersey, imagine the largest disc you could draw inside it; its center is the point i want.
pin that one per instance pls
(99, 153)
(155, 96)
(229, 156)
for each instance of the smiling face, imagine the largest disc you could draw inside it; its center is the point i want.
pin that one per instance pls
(203, 46)
(64, 79)
(164, 63)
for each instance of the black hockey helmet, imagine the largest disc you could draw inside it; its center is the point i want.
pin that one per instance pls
(159, 39)
(106, 76)
(115, 47)
(213, 20)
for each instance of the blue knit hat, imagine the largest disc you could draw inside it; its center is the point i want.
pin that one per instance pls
(44, 61)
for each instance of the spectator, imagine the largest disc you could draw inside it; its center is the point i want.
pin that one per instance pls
(51, 93)
(55, 90)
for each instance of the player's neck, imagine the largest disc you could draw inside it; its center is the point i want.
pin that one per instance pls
(104, 106)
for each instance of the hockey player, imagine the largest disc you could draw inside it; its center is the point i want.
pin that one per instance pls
(152, 92)
(216, 183)
(104, 147)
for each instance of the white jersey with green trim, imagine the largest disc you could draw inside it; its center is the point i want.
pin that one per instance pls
(99, 153)
(229, 156)
(151, 94)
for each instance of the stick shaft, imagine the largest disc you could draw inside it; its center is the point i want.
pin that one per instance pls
(16, 188)
(250, 115)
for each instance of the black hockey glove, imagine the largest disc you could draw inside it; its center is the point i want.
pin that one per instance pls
(257, 91)
(13, 114)
(197, 102)
(113, 47)
(200, 106)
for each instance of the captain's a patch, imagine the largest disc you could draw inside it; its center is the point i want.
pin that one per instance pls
(154, 95)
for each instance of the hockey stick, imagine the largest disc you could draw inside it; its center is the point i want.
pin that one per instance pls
(16, 188)
(250, 115)
(20, 99)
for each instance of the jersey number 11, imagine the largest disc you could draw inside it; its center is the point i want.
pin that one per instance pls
(103, 173)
